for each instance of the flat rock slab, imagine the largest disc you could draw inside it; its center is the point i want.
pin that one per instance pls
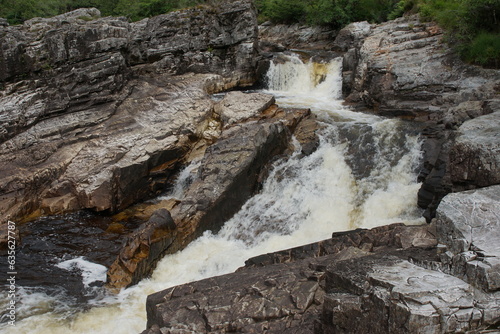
(387, 294)
(468, 223)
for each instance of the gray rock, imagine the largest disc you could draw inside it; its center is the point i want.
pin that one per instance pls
(404, 69)
(280, 36)
(351, 36)
(468, 224)
(91, 116)
(236, 106)
(333, 286)
(386, 294)
(475, 155)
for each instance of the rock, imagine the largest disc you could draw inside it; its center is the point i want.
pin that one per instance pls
(468, 225)
(143, 246)
(391, 279)
(351, 36)
(278, 37)
(92, 113)
(386, 294)
(283, 296)
(228, 175)
(402, 68)
(475, 155)
(236, 106)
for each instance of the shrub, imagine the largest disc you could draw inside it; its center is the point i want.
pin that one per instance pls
(484, 50)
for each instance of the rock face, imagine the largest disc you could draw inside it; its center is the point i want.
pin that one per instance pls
(475, 155)
(402, 68)
(437, 278)
(91, 109)
(468, 224)
(280, 37)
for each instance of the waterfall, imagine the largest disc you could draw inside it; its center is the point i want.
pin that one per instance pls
(361, 175)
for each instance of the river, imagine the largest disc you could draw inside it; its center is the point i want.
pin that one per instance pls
(363, 174)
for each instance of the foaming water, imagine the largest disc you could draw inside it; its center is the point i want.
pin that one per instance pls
(361, 175)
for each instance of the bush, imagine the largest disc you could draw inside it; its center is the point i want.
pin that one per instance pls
(283, 11)
(484, 50)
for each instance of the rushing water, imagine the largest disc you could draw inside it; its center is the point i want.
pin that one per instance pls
(361, 175)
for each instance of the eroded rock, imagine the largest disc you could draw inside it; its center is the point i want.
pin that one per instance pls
(402, 68)
(468, 224)
(93, 114)
(228, 175)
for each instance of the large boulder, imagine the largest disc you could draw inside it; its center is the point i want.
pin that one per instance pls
(475, 154)
(92, 113)
(468, 225)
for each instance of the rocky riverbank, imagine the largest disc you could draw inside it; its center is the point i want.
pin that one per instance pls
(439, 278)
(97, 113)
(100, 114)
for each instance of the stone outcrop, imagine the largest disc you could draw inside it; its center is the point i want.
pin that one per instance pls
(468, 226)
(93, 108)
(280, 37)
(437, 278)
(475, 154)
(402, 68)
(230, 172)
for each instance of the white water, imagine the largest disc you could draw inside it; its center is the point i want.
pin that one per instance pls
(303, 200)
(91, 272)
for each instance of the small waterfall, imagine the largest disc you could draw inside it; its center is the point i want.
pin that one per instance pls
(361, 175)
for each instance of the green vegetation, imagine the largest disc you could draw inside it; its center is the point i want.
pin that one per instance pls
(334, 13)
(17, 11)
(473, 26)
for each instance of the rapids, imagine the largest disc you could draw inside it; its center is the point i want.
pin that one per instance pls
(363, 174)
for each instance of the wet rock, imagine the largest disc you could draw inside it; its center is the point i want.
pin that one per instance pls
(93, 115)
(284, 295)
(306, 134)
(468, 225)
(475, 155)
(402, 68)
(228, 175)
(143, 246)
(391, 279)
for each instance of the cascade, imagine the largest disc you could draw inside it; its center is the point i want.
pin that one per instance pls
(361, 175)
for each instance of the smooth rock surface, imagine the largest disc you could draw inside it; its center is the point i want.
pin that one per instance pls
(475, 155)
